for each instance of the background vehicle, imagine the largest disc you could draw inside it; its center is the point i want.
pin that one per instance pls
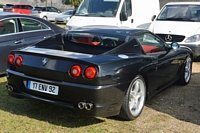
(98, 71)
(179, 22)
(1, 7)
(128, 13)
(47, 13)
(18, 8)
(17, 30)
(64, 18)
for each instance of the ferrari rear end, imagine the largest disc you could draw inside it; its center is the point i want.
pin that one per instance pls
(69, 79)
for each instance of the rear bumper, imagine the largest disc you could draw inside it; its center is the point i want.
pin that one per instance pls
(106, 100)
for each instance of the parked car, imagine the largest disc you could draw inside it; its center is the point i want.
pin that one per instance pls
(1, 7)
(64, 18)
(98, 71)
(18, 30)
(18, 8)
(180, 22)
(47, 13)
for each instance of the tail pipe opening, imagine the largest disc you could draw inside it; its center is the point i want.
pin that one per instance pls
(85, 105)
(9, 88)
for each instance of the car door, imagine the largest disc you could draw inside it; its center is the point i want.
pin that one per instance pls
(164, 60)
(50, 13)
(34, 31)
(9, 40)
(55, 12)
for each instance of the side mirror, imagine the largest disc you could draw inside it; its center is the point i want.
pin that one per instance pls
(175, 45)
(153, 17)
(123, 16)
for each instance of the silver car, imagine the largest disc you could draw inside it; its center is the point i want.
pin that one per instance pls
(64, 18)
(47, 13)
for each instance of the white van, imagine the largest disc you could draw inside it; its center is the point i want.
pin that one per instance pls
(179, 22)
(128, 13)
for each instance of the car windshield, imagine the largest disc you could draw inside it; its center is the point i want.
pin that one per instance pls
(68, 13)
(180, 13)
(98, 8)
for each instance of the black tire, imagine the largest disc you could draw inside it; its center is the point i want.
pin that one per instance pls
(45, 18)
(197, 59)
(186, 72)
(135, 97)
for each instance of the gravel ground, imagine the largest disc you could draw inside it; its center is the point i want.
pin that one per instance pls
(174, 110)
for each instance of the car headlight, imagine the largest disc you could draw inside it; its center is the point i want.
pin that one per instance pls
(69, 27)
(194, 38)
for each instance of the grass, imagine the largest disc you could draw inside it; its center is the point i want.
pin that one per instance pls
(26, 115)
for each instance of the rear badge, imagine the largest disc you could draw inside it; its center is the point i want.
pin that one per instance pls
(44, 61)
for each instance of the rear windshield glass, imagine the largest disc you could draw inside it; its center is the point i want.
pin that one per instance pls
(92, 43)
(8, 6)
(95, 40)
(37, 9)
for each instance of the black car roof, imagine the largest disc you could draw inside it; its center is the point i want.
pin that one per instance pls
(11, 14)
(2, 14)
(124, 31)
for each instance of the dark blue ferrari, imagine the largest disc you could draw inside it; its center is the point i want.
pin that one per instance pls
(98, 71)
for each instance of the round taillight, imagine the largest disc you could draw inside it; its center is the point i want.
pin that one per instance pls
(75, 71)
(18, 61)
(11, 59)
(90, 72)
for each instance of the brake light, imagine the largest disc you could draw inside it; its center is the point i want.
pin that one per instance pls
(90, 72)
(75, 71)
(39, 11)
(18, 61)
(11, 59)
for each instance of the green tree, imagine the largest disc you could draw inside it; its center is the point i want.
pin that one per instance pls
(74, 3)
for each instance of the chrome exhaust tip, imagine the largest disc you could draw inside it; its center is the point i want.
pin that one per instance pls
(88, 106)
(9, 88)
(81, 105)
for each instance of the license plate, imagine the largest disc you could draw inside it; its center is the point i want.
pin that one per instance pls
(41, 87)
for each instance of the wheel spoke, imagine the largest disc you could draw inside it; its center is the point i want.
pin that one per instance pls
(187, 70)
(136, 97)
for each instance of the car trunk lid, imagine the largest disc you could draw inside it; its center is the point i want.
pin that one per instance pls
(50, 64)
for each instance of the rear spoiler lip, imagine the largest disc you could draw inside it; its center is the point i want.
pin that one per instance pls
(56, 53)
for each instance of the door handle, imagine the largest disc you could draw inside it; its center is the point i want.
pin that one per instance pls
(19, 41)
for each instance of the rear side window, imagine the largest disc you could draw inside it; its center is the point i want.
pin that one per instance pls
(32, 25)
(8, 26)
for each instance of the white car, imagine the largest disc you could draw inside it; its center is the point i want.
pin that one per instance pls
(1, 7)
(64, 18)
(179, 22)
(47, 13)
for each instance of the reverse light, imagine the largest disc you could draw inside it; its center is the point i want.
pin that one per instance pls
(18, 61)
(75, 71)
(11, 59)
(90, 72)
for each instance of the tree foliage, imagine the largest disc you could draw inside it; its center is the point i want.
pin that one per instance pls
(74, 3)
